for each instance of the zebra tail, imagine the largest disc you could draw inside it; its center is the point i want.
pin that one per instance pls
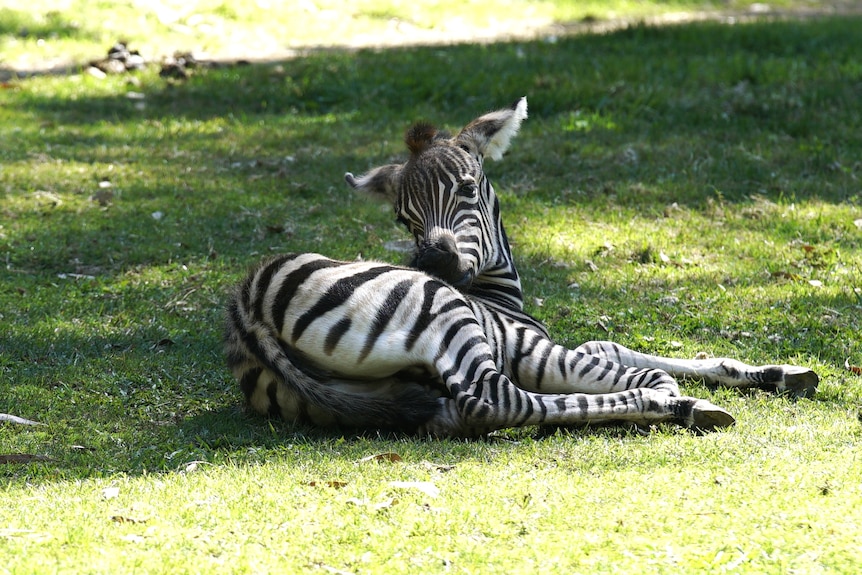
(250, 344)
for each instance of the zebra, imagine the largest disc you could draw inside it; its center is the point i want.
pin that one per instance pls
(443, 346)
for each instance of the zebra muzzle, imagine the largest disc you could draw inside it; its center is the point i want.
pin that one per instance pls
(440, 259)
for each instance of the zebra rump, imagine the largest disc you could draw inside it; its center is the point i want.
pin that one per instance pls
(278, 378)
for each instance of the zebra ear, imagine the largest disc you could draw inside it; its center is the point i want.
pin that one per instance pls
(489, 135)
(381, 182)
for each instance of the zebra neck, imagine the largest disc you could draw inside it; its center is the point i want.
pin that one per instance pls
(499, 285)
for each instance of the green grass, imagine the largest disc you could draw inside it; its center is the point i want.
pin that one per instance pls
(678, 189)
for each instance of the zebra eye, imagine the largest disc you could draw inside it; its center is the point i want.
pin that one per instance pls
(467, 189)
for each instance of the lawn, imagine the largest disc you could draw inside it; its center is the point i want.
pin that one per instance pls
(678, 189)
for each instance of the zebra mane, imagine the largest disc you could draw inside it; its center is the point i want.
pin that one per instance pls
(420, 137)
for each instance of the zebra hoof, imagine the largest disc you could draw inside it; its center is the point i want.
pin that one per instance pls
(708, 417)
(800, 381)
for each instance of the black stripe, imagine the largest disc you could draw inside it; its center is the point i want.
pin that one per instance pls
(250, 341)
(470, 375)
(264, 276)
(561, 365)
(451, 332)
(515, 361)
(423, 318)
(525, 353)
(384, 315)
(543, 362)
(638, 378)
(618, 375)
(248, 381)
(466, 346)
(334, 335)
(574, 363)
(291, 283)
(336, 295)
(508, 394)
(271, 392)
(525, 404)
(607, 368)
(454, 303)
(594, 361)
(583, 403)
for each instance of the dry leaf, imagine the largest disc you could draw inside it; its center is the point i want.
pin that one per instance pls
(815, 283)
(111, 492)
(121, 519)
(22, 458)
(663, 257)
(389, 457)
(425, 487)
(852, 368)
(332, 484)
(858, 223)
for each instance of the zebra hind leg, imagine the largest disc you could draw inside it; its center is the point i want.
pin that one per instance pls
(799, 381)
(496, 403)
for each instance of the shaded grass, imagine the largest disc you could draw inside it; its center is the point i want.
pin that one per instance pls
(675, 189)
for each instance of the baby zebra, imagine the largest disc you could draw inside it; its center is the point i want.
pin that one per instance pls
(444, 347)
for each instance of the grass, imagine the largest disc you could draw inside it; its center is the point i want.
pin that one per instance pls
(677, 189)
(55, 34)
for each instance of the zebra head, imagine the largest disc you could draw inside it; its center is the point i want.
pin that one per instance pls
(442, 196)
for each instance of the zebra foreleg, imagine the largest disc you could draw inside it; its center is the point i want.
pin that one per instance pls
(722, 371)
(496, 403)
